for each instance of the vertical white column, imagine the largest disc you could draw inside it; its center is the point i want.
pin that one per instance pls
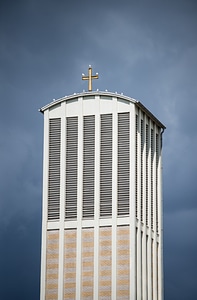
(160, 223)
(149, 262)
(149, 254)
(139, 168)
(144, 271)
(154, 179)
(133, 241)
(44, 205)
(139, 252)
(139, 262)
(62, 205)
(144, 290)
(79, 198)
(138, 157)
(114, 196)
(154, 217)
(96, 197)
(149, 175)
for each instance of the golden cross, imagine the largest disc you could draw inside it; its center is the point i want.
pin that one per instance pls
(89, 78)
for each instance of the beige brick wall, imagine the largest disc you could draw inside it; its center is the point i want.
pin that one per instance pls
(52, 256)
(87, 279)
(70, 264)
(123, 262)
(105, 258)
(87, 264)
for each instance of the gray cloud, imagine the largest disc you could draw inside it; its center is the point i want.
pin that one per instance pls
(146, 50)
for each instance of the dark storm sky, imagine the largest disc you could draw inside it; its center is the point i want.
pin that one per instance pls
(145, 49)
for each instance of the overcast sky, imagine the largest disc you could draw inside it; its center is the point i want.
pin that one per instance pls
(145, 49)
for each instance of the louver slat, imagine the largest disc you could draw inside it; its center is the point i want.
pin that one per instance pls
(54, 169)
(157, 164)
(106, 166)
(142, 164)
(71, 167)
(152, 158)
(88, 166)
(147, 189)
(123, 163)
(136, 166)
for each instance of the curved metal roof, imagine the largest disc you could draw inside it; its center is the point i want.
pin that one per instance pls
(103, 93)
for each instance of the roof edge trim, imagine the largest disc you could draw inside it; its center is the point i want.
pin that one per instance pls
(144, 109)
(93, 93)
(103, 93)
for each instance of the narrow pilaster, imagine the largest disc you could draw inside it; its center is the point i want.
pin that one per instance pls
(160, 221)
(132, 217)
(97, 199)
(114, 198)
(79, 198)
(44, 205)
(62, 205)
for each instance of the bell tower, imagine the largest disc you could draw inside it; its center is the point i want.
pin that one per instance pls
(102, 213)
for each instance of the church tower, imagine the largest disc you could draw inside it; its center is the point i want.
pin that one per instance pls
(102, 230)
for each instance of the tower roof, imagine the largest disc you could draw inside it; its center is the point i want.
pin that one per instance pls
(103, 93)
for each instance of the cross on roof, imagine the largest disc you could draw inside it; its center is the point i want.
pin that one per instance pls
(90, 77)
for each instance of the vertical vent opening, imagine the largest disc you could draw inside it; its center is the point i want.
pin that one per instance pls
(71, 167)
(54, 169)
(157, 165)
(123, 163)
(136, 166)
(88, 166)
(152, 158)
(142, 165)
(106, 166)
(147, 189)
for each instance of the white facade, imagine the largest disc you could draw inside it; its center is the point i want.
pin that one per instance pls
(102, 199)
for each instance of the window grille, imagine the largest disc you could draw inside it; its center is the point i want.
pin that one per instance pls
(106, 166)
(147, 154)
(71, 167)
(157, 164)
(152, 157)
(142, 163)
(88, 166)
(123, 163)
(136, 166)
(54, 169)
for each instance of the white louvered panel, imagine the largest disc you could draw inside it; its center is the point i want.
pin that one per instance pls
(147, 153)
(106, 166)
(54, 169)
(142, 164)
(152, 157)
(123, 163)
(157, 164)
(88, 166)
(136, 166)
(71, 167)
